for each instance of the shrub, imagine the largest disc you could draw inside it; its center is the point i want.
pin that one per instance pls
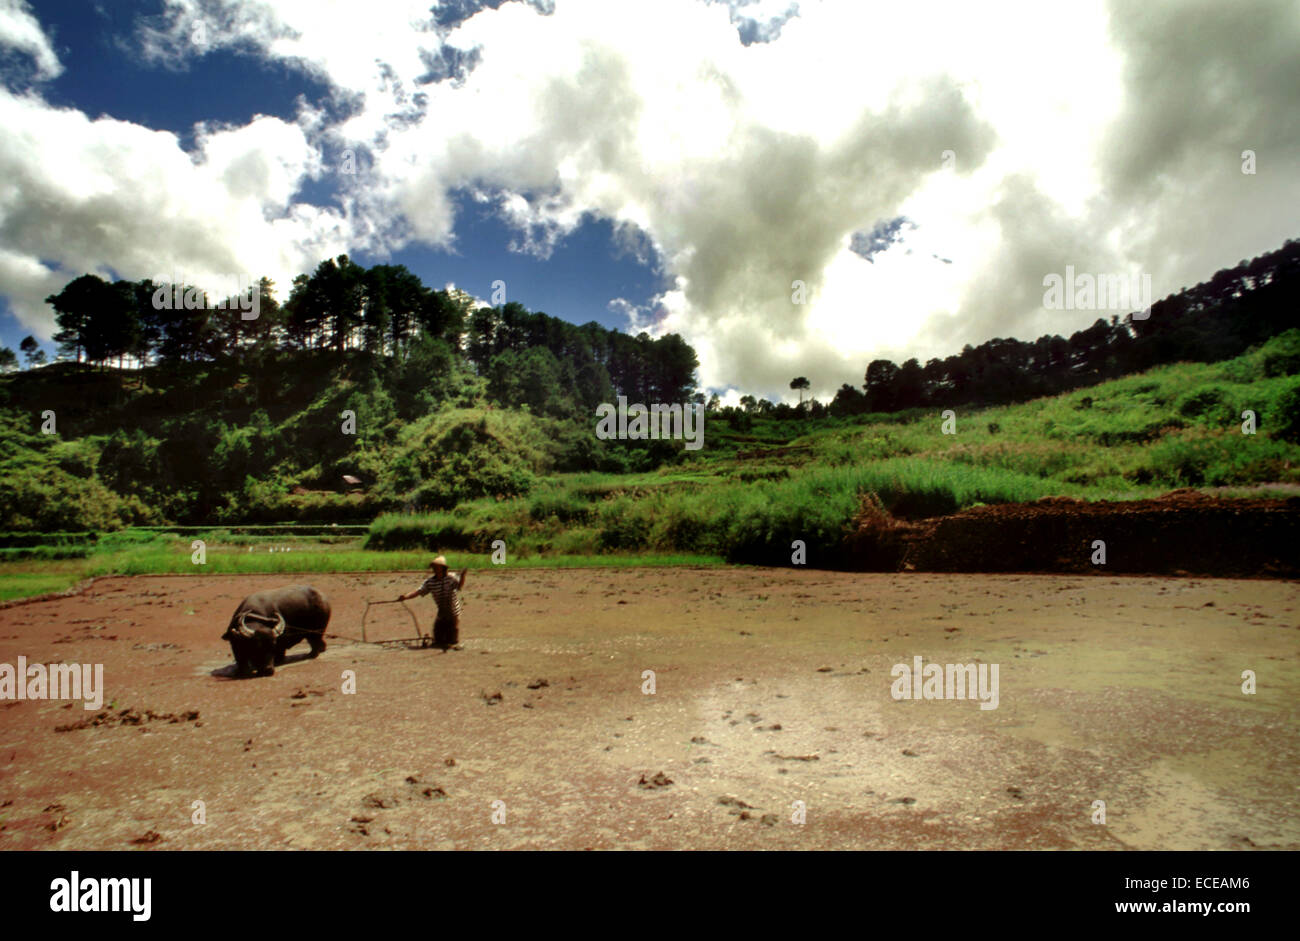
(1181, 460)
(1281, 355)
(1208, 402)
(49, 499)
(1286, 425)
(565, 507)
(78, 457)
(418, 531)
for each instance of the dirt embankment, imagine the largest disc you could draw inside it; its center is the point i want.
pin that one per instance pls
(1183, 532)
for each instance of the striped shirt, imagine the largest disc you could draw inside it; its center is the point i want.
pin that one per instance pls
(446, 594)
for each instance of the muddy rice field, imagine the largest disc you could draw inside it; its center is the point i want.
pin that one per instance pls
(771, 724)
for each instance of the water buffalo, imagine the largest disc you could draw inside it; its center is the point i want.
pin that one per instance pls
(268, 623)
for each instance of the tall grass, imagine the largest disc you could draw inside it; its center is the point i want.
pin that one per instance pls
(758, 521)
(1173, 426)
(1131, 438)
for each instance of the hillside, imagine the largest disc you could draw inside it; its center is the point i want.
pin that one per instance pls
(368, 398)
(748, 495)
(493, 473)
(233, 441)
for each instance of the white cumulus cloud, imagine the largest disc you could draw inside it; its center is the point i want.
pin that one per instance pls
(740, 144)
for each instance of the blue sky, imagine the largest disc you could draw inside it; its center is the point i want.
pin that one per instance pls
(797, 187)
(584, 272)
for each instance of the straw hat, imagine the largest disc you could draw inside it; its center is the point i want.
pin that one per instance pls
(440, 560)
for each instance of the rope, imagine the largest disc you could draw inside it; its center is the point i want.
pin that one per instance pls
(414, 620)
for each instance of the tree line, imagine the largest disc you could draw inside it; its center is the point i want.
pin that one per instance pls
(383, 313)
(1215, 320)
(557, 368)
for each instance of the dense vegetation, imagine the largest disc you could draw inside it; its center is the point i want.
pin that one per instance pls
(363, 373)
(466, 425)
(748, 495)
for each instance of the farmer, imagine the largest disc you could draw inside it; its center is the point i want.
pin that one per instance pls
(446, 591)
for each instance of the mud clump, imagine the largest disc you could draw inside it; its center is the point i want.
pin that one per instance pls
(61, 819)
(741, 810)
(659, 780)
(728, 801)
(431, 791)
(128, 716)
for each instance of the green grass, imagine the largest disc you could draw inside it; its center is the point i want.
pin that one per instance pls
(15, 585)
(165, 555)
(44, 553)
(1131, 438)
(156, 560)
